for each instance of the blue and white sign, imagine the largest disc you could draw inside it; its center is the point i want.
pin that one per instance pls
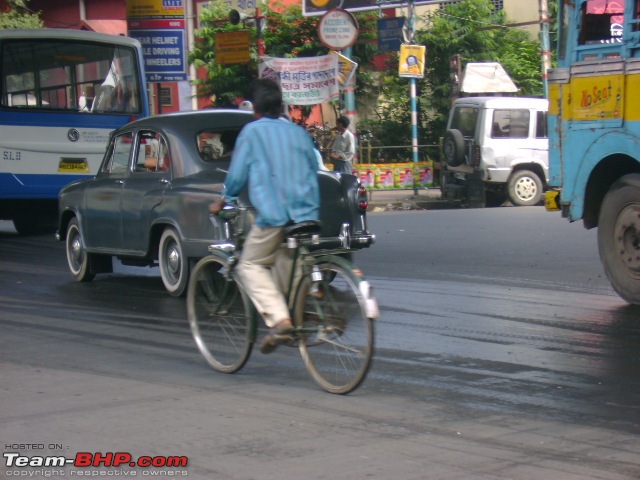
(164, 54)
(390, 34)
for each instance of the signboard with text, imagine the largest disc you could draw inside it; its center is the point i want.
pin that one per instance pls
(305, 80)
(159, 25)
(390, 34)
(232, 47)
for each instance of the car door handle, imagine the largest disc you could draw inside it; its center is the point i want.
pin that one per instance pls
(121, 182)
(164, 180)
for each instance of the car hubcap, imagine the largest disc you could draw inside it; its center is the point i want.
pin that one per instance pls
(76, 250)
(627, 239)
(526, 188)
(173, 260)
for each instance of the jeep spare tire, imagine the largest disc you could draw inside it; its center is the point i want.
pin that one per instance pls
(453, 148)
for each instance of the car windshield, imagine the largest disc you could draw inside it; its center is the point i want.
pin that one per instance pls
(217, 145)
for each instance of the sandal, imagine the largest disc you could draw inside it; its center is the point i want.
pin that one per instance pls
(277, 335)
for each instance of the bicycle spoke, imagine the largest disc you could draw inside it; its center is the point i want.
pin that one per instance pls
(338, 344)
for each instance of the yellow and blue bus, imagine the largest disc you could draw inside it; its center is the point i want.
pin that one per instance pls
(594, 131)
(63, 92)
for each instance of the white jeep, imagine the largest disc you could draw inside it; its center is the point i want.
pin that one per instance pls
(496, 148)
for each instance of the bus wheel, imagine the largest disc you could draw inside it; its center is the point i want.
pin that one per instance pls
(78, 259)
(619, 237)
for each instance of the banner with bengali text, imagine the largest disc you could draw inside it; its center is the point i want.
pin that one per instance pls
(304, 81)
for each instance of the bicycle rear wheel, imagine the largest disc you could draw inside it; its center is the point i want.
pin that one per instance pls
(221, 316)
(335, 333)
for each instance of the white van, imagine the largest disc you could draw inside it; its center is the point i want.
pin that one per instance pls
(496, 148)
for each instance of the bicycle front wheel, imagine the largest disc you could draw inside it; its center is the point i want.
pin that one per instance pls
(335, 333)
(221, 315)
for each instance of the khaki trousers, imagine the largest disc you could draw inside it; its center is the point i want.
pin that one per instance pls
(264, 271)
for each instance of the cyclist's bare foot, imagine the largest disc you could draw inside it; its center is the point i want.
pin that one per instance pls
(277, 335)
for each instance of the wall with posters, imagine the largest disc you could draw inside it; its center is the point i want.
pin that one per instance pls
(390, 176)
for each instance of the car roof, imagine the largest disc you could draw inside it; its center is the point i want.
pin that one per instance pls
(194, 121)
(504, 102)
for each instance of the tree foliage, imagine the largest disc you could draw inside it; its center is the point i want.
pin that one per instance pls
(16, 14)
(287, 33)
(471, 29)
(478, 33)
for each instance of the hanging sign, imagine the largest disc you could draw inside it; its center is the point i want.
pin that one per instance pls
(304, 80)
(412, 61)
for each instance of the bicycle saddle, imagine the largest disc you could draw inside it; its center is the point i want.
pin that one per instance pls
(308, 227)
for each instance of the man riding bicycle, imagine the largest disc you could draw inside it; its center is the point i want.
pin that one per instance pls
(276, 160)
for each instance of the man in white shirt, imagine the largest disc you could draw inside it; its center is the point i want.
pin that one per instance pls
(344, 147)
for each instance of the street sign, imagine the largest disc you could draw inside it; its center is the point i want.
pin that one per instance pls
(390, 34)
(337, 29)
(159, 25)
(232, 47)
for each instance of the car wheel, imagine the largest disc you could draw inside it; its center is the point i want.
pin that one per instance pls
(453, 147)
(78, 259)
(619, 237)
(174, 267)
(525, 188)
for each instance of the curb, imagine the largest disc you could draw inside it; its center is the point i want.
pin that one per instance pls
(390, 200)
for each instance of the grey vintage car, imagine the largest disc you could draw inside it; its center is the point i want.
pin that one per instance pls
(148, 203)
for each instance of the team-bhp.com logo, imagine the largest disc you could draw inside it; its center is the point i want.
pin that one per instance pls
(96, 460)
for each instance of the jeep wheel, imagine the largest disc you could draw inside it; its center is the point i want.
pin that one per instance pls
(524, 188)
(453, 148)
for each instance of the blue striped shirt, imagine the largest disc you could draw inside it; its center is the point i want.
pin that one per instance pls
(276, 159)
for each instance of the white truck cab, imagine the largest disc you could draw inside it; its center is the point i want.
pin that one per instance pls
(496, 148)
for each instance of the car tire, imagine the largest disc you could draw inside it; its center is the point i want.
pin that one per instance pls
(453, 148)
(78, 259)
(619, 235)
(174, 267)
(524, 188)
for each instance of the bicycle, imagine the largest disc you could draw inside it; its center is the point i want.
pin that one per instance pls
(332, 305)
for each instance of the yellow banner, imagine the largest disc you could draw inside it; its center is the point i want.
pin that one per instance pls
(412, 61)
(346, 69)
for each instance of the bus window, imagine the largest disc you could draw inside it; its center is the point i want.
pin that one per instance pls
(50, 120)
(58, 75)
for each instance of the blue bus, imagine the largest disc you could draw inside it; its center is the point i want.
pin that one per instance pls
(62, 93)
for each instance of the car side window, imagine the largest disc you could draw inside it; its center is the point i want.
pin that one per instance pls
(153, 153)
(541, 124)
(120, 153)
(512, 123)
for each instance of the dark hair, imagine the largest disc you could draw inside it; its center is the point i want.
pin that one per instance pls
(344, 121)
(267, 98)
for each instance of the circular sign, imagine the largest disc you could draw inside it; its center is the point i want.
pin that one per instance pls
(338, 29)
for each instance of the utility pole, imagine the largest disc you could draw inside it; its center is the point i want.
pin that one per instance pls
(544, 42)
